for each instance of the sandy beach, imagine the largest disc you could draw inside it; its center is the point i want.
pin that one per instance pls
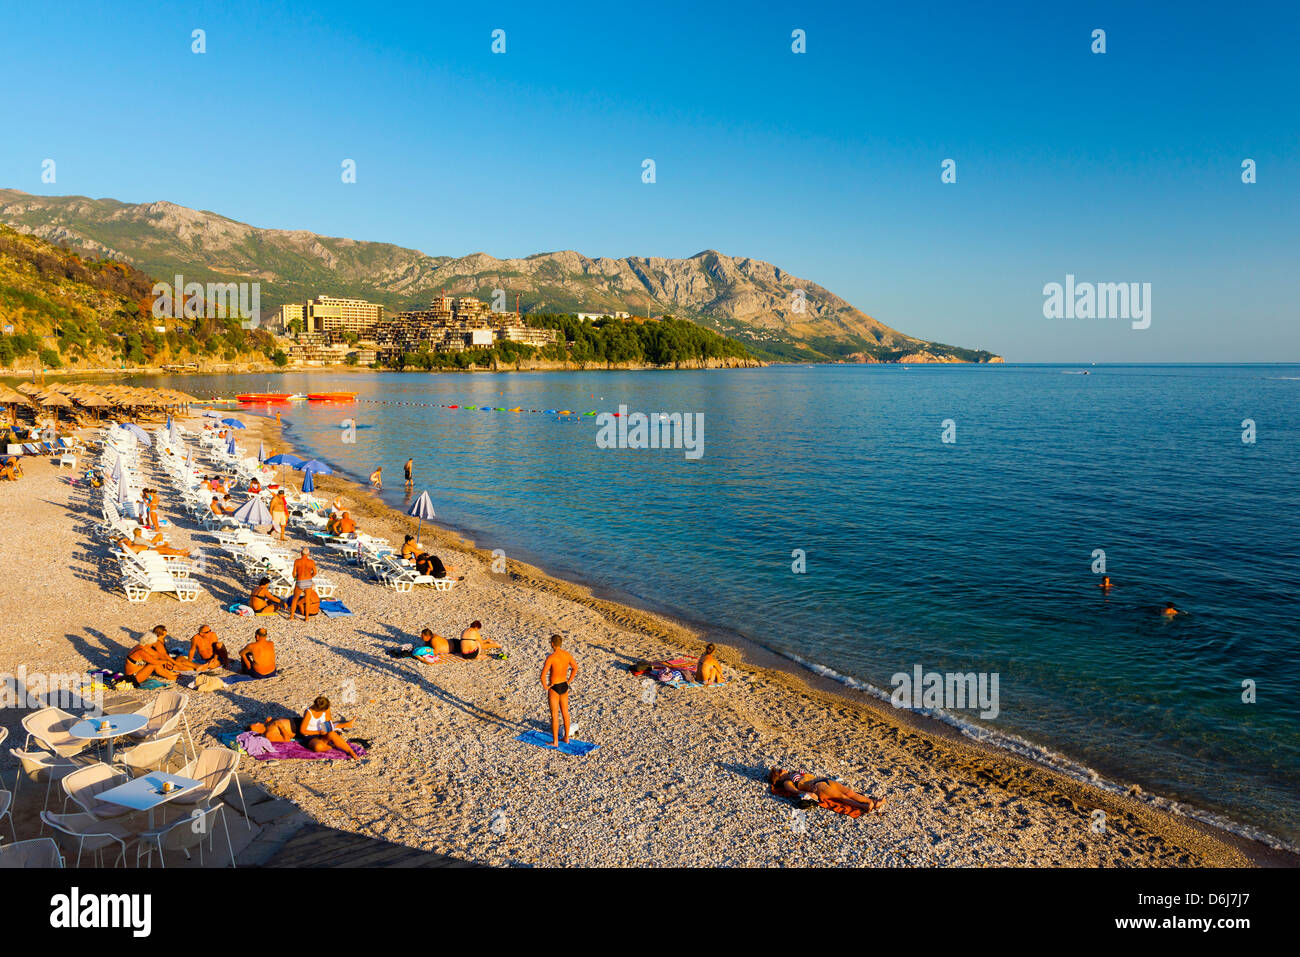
(679, 777)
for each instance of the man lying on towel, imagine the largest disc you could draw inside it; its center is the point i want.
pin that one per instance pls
(805, 787)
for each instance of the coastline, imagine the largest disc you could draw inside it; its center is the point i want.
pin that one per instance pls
(678, 779)
(805, 677)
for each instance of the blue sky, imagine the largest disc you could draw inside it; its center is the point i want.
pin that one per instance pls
(1117, 167)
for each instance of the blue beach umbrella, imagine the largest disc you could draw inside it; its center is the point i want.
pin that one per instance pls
(315, 465)
(230, 446)
(284, 458)
(233, 423)
(308, 485)
(422, 509)
(169, 421)
(253, 512)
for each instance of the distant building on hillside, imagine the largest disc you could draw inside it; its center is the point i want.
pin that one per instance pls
(593, 316)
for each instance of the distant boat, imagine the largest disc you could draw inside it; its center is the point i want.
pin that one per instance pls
(331, 396)
(263, 396)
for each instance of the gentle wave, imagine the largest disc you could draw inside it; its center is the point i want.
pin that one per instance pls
(1048, 758)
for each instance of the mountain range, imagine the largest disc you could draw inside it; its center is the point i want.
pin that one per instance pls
(774, 314)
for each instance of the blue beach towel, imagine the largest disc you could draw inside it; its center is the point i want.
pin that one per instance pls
(694, 684)
(543, 740)
(335, 609)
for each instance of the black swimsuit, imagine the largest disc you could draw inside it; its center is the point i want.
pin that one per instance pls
(560, 687)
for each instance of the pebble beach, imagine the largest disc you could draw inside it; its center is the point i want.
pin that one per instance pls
(678, 778)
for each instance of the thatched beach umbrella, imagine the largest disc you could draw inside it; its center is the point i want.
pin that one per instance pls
(55, 401)
(12, 399)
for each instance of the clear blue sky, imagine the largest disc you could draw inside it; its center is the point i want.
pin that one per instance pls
(1117, 167)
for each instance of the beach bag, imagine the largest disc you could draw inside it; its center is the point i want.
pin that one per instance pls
(208, 683)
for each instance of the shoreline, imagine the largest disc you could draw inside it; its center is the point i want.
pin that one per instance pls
(678, 777)
(1260, 847)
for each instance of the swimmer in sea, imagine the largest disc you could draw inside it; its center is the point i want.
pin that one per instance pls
(1105, 585)
(1170, 610)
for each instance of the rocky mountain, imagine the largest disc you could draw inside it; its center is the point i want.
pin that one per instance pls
(774, 314)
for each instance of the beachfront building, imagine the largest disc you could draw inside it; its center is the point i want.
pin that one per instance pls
(593, 316)
(517, 332)
(329, 314)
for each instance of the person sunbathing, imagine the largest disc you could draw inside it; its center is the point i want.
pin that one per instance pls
(254, 487)
(215, 506)
(262, 601)
(346, 525)
(320, 732)
(708, 671)
(259, 656)
(138, 543)
(409, 549)
(792, 784)
(8, 473)
(275, 730)
(151, 660)
(207, 650)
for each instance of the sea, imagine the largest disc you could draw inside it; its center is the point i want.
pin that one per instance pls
(872, 521)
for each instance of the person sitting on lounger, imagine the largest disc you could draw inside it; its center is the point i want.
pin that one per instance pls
(708, 671)
(409, 549)
(824, 791)
(216, 508)
(138, 543)
(254, 487)
(207, 650)
(259, 656)
(262, 601)
(431, 565)
(346, 525)
(320, 732)
(8, 473)
(151, 660)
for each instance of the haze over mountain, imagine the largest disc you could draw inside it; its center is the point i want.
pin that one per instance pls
(773, 313)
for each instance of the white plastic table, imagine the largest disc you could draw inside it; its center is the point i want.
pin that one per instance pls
(118, 725)
(146, 792)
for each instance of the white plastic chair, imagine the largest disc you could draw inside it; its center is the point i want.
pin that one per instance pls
(51, 729)
(214, 768)
(38, 852)
(152, 755)
(183, 834)
(90, 832)
(83, 784)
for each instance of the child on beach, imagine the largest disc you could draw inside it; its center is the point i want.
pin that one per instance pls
(376, 479)
(557, 671)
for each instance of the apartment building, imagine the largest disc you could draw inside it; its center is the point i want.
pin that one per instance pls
(328, 314)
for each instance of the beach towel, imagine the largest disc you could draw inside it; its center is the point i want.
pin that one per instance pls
(683, 683)
(154, 683)
(254, 744)
(543, 740)
(335, 609)
(239, 608)
(288, 750)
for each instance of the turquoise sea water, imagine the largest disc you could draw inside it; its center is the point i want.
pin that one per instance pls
(968, 556)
